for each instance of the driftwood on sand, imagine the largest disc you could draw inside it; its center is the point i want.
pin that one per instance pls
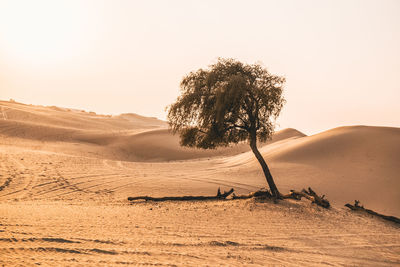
(263, 193)
(310, 195)
(219, 196)
(358, 207)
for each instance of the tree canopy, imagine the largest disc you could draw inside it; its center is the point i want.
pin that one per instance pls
(226, 103)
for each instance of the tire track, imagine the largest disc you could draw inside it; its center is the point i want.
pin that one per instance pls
(7, 180)
(96, 185)
(83, 189)
(17, 170)
(75, 178)
(108, 166)
(207, 173)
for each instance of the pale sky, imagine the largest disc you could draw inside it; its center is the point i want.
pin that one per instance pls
(341, 59)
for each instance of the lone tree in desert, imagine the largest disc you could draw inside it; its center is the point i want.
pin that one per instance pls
(228, 102)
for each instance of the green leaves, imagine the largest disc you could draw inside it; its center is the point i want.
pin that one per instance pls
(227, 103)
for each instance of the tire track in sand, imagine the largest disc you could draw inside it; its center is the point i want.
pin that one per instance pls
(22, 177)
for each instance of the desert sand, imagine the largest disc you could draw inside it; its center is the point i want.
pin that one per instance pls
(65, 176)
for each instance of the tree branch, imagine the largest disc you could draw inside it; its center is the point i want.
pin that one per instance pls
(357, 207)
(240, 127)
(219, 196)
(310, 195)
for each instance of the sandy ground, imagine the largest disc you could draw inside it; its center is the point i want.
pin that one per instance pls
(65, 176)
(193, 234)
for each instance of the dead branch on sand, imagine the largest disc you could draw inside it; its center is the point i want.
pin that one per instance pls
(263, 193)
(219, 196)
(310, 195)
(357, 207)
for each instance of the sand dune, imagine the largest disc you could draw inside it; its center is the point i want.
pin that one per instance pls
(161, 145)
(65, 176)
(346, 163)
(352, 143)
(128, 137)
(77, 119)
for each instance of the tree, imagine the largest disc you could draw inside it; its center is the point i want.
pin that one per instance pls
(229, 102)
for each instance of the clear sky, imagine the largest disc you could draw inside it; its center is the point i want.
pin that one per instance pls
(341, 59)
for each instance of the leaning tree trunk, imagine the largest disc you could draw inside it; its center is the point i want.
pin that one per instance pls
(267, 173)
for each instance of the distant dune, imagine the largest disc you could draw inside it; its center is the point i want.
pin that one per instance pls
(77, 119)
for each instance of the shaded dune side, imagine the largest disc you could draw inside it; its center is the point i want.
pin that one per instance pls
(161, 145)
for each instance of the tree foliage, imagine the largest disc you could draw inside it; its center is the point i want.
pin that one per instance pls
(226, 103)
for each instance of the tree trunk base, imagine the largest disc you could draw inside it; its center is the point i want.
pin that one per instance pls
(357, 207)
